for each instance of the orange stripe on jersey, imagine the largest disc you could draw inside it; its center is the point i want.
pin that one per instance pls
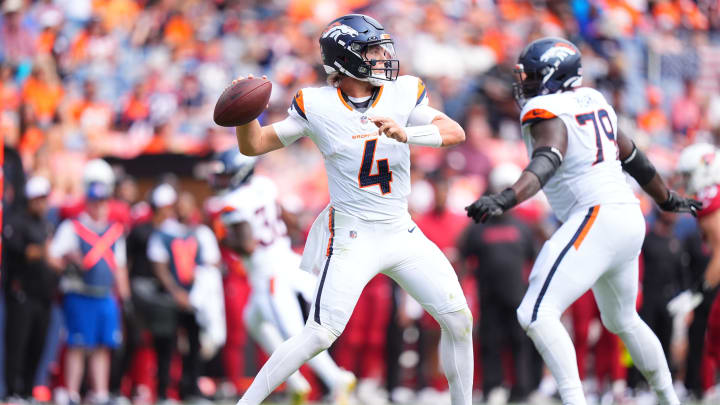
(421, 91)
(340, 96)
(331, 226)
(378, 96)
(299, 100)
(587, 227)
(537, 114)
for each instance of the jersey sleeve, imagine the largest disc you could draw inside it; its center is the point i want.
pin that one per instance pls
(541, 108)
(422, 96)
(296, 125)
(710, 198)
(156, 250)
(120, 252)
(210, 249)
(65, 240)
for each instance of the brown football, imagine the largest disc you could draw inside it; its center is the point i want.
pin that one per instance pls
(242, 102)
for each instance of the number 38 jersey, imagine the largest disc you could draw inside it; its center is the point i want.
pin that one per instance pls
(368, 175)
(255, 202)
(590, 173)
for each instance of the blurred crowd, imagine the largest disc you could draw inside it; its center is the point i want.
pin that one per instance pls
(123, 79)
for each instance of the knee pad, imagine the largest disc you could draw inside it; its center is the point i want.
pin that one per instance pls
(619, 323)
(318, 337)
(459, 323)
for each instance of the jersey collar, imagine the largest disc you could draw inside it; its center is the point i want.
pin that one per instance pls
(374, 98)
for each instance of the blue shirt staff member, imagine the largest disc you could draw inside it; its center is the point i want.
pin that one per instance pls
(91, 252)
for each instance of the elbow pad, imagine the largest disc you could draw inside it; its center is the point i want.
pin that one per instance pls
(639, 167)
(545, 161)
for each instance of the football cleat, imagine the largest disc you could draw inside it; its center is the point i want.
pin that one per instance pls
(344, 388)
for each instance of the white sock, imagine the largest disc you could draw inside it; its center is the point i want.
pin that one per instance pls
(268, 337)
(554, 344)
(456, 354)
(287, 359)
(649, 358)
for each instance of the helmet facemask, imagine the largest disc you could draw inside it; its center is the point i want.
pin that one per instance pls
(379, 62)
(526, 85)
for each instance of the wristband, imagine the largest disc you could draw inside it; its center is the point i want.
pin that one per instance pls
(424, 135)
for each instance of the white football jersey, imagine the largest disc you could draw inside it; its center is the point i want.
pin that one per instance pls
(368, 175)
(590, 173)
(256, 202)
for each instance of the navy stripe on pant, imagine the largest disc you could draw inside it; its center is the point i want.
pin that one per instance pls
(557, 262)
(327, 263)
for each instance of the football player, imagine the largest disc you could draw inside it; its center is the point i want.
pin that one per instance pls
(254, 230)
(578, 157)
(700, 166)
(363, 122)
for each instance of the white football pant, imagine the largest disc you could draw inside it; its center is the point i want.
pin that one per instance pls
(596, 248)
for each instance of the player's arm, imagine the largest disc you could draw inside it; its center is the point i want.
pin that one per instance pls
(636, 164)
(240, 238)
(440, 131)
(710, 227)
(254, 139)
(550, 140)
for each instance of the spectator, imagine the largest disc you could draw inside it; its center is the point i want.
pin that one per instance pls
(175, 248)
(29, 289)
(18, 45)
(663, 277)
(501, 249)
(90, 251)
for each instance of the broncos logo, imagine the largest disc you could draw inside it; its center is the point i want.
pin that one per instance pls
(334, 31)
(558, 52)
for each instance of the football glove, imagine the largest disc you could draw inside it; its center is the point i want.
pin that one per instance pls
(491, 205)
(675, 203)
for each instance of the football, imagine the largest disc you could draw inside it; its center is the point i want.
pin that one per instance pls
(242, 102)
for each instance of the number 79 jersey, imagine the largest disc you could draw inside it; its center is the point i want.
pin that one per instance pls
(590, 173)
(368, 174)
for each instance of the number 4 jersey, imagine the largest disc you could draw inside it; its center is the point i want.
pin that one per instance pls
(590, 173)
(368, 175)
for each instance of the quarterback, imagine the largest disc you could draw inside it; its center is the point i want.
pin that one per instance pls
(255, 231)
(578, 157)
(363, 123)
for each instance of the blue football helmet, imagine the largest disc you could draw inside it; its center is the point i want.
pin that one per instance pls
(230, 169)
(546, 66)
(345, 43)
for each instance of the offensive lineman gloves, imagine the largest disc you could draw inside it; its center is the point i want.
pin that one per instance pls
(675, 203)
(491, 205)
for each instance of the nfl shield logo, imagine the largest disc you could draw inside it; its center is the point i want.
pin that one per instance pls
(353, 234)
(364, 119)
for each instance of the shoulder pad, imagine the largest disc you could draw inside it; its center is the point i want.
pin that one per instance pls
(542, 108)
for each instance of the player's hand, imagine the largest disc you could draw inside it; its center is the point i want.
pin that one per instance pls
(390, 128)
(182, 299)
(250, 76)
(675, 203)
(491, 205)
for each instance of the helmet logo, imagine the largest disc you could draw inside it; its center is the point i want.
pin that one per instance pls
(337, 29)
(559, 52)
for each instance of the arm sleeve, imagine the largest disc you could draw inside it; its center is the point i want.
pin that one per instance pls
(65, 241)
(156, 250)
